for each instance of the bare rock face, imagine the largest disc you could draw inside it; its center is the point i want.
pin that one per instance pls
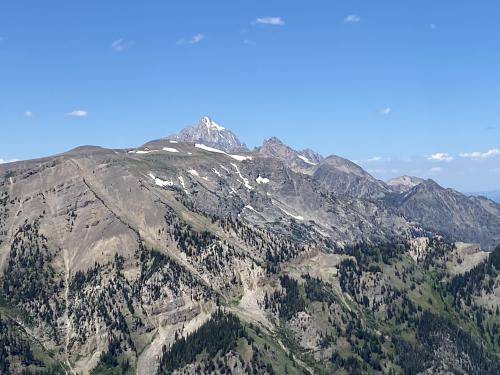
(209, 133)
(404, 183)
(299, 161)
(469, 219)
(345, 178)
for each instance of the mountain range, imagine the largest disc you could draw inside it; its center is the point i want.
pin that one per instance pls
(194, 254)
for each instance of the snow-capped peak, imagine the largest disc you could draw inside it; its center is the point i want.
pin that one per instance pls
(211, 134)
(210, 124)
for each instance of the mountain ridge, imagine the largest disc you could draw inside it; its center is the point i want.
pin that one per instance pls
(183, 258)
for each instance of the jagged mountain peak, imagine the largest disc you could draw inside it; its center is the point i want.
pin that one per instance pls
(273, 146)
(300, 161)
(313, 156)
(210, 124)
(210, 133)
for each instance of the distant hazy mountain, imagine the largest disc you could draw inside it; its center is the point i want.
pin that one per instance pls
(449, 212)
(194, 255)
(492, 194)
(404, 183)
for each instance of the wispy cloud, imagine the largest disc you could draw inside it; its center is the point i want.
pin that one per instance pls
(436, 170)
(374, 159)
(352, 18)
(480, 155)
(433, 26)
(195, 39)
(28, 114)
(120, 45)
(1, 39)
(77, 113)
(440, 156)
(3, 161)
(274, 21)
(385, 110)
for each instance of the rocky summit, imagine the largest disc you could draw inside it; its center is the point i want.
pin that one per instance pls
(192, 254)
(211, 134)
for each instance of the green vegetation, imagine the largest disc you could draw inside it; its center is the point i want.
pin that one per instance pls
(287, 302)
(217, 336)
(110, 362)
(18, 351)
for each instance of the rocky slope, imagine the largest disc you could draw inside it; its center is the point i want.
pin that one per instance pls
(191, 257)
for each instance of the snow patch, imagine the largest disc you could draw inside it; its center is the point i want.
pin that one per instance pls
(240, 157)
(245, 180)
(262, 180)
(173, 142)
(194, 172)
(211, 149)
(183, 184)
(160, 182)
(306, 160)
(216, 172)
(296, 217)
(170, 149)
(250, 208)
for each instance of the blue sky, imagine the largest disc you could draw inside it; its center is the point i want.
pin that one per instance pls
(401, 87)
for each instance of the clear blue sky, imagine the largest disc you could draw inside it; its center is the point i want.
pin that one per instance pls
(392, 81)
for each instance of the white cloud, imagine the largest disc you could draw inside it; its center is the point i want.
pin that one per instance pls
(435, 170)
(481, 155)
(77, 113)
(120, 45)
(275, 21)
(440, 156)
(385, 110)
(28, 114)
(195, 39)
(352, 18)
